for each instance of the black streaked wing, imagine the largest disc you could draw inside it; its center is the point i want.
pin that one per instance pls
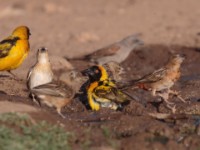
(154, 77)
(53, 89)
(6, 45)
(108, 94)
(113, 95)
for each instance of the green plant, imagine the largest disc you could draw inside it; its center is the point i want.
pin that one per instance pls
(21, 132)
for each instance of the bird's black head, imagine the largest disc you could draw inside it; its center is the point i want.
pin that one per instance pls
(94, 73)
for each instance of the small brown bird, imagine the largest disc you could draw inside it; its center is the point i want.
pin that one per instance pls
(54, 94)
(73, 77)
(114, 70)
(160, 81)
(41, 72)
(116, 52)
(58, 93)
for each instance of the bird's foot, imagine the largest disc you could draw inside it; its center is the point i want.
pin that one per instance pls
(165, 97)
(177, 94)
(15, 77)
(35, 100)
(59, 112)
(168, 102)
(172, 108)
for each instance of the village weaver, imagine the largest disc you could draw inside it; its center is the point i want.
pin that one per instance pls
(14, 49)
(103, 92)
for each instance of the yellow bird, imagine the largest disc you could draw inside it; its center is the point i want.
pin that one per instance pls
(14, 49)
(106, 94)
(102, 91)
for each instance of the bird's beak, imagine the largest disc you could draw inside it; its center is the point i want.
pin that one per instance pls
(87, 72)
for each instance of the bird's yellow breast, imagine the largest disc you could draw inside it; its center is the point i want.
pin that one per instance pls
(94, 105)
(16, 56)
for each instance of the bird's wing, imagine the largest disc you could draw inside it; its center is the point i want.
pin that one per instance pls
(129, 41)
(153, 77)
(113, 94)
(106, 51)
(46, 89)
(6, 45)
(28, 77)
(30, 72)
(104, 96)
(53, 89)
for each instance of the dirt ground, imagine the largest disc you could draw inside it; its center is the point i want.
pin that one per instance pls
(75, 28)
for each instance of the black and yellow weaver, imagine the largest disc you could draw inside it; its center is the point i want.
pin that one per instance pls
(102, 91)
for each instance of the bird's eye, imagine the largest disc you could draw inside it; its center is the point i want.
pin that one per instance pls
(72, 75)
(96, 71)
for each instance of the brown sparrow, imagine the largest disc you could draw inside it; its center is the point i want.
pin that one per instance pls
(160, 81)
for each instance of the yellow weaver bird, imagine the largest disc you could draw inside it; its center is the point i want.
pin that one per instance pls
(103, 94)
(14, 49)
(101, 91)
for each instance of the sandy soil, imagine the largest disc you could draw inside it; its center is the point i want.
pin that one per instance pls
(75, 28)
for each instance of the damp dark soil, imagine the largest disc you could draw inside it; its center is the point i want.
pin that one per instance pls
(134, 126)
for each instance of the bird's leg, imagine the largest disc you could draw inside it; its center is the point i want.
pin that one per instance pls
(153, 92)
(14, 76)
(35, 100)
(165, 97)
(12, 73)
(172, 108)
(59, 112)
(177, 95)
